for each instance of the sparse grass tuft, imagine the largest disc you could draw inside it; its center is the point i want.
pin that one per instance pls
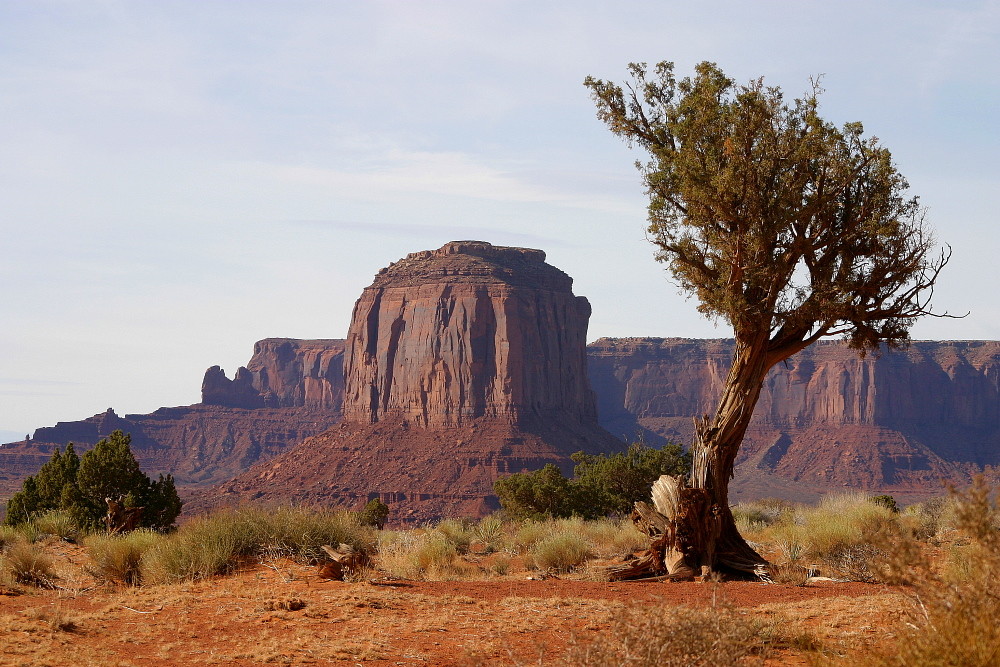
(56, 619)
(118, 558)
(560, 552)
(681, 637)
(26, 563)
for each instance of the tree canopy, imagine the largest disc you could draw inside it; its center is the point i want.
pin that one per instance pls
(780, 223)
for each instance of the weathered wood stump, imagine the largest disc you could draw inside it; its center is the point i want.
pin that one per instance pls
(343, 561)
(121, 519)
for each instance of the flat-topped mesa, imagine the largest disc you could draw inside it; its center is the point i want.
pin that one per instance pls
(467, 331)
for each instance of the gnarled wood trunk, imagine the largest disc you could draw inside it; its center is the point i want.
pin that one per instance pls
(690, 525)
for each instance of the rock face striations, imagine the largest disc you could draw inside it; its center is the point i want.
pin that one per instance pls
(290, 390)
(467, 331)
(461, 364)
(283, 373)
(826, 419)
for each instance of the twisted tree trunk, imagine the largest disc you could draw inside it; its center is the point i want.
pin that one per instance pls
(690, 525)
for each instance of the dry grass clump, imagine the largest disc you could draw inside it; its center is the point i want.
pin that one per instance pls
(561, 552)
(490, 532)
(841, 534)
(678, 637)
(57, 619)
(425, 553)
(27, 563)
(118, 558)
(8, 536)
(955, 612)
(218, 543)
(58, 523)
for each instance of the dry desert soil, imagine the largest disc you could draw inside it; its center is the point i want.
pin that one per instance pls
(281, 612)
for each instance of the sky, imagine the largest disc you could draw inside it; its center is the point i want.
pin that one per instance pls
(179, 179)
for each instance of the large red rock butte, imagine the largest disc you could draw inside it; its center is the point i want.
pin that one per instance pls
(461, 364)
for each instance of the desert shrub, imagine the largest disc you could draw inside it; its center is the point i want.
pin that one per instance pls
(118, 558)
(602, 484)
(27, 563)
(842, 534)
(678, 637)
(886, 501)
(490, 532)
(78, 486)
(528, 534)
(752, 517)
(57, 522)
(560, 552)
(416, 553)
(953, 618)
(8, 536)
(300, 533)
(28, 532)
(374, 514)
(931, 517)
(613, 537)
(220, 542)
(456, 532)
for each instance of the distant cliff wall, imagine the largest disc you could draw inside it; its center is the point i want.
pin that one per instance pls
(826, 416)
(283, 373)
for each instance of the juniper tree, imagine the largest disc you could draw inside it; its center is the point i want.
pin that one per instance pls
(780, 224)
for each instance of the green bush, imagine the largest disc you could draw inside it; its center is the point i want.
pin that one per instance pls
(602, 485)
(78, 487)
(375, 514)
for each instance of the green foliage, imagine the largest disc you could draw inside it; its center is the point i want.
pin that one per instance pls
(779, 222)
(602, 484)
(613, 483)
(374, 514)
(886, 501)
(539, 494)
(44, 491)
(78, 487)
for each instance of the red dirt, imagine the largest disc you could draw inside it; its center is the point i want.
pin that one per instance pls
(255, 618)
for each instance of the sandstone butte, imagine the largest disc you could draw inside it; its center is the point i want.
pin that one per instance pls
(461, 364)
(903, 422)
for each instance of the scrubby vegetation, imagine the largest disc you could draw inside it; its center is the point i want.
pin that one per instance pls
(601, 485)
(945, 553)
(74, 490)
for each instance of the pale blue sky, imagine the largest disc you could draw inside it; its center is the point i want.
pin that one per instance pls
(181, 179)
